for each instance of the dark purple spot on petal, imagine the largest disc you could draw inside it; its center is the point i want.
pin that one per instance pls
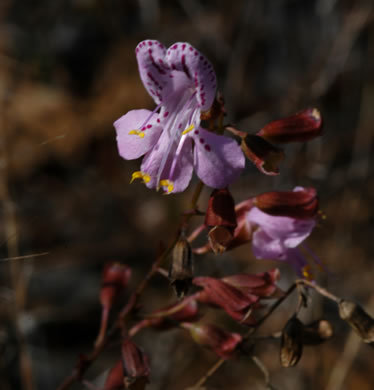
(196, 53)
(174, 47)
(180, 126)
(158, 120)
(191, 48)
(201, 58)
(183, 46)
(166, 114)
(150, 43)
(207, 148)
(202, 140)
(196, 132)
(150, 51)
(149, 126)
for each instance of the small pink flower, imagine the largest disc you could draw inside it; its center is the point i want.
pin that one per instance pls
(182, 83)
(278, 237)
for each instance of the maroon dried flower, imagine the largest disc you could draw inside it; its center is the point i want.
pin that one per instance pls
(220, 341)
(300, 127)
(218, 293)
(261, 284)
(220, 218)
(301, 203)
(265, 156)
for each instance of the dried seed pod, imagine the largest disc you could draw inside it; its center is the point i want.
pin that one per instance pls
(317, 332)
(358, 319)
(181, 268)
(135, 366)
(291, 342)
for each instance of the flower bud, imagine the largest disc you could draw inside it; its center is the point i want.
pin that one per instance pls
(302, 203)
(135, 365)
(181, 269)
(115, 278)
(291, 342)
(317, 332)
(300, 127)
(220, 341)
(358, 319)
(264, 155)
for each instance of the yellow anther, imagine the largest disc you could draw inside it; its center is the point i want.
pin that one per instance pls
(189, 128)
(139, 133)
(307, 273)
(322, 214)
(140, 175)
(168, 184)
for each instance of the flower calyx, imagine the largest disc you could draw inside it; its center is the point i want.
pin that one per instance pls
(220, 219)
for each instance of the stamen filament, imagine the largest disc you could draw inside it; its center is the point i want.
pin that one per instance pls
(189, 128)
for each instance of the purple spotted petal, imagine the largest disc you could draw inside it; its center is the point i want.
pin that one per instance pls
(184, 58)
(154, 72)
(290, 231)
(133, 146)
(218, 159)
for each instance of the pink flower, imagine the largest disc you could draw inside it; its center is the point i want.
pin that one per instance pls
(278, 237)
(182, 83)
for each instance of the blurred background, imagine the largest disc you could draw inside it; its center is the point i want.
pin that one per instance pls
(67, 71)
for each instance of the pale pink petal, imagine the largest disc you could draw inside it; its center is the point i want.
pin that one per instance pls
(153, 69)
(184, 58)
(266, 247)
(218, 159)
(297, 260)
(178, 167)
(142, 138)
(289, 230)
